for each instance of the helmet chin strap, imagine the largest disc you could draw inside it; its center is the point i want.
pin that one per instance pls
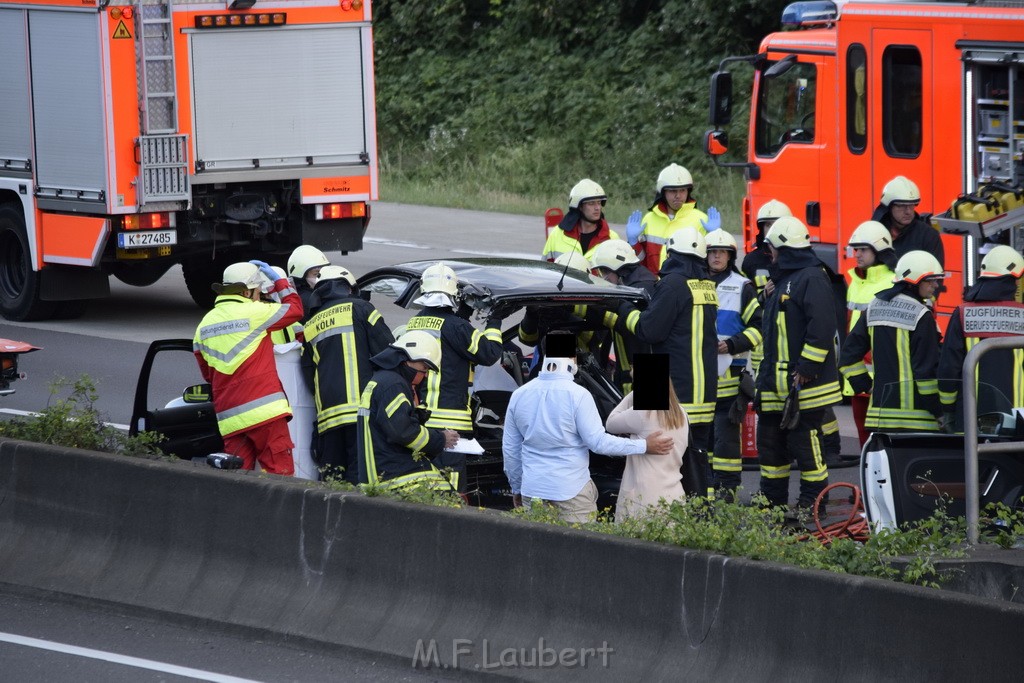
(561, 365)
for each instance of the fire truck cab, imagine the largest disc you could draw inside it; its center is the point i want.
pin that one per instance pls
(137, 135)
(855, 93)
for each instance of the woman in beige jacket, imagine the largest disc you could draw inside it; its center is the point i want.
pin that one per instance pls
(649, 478)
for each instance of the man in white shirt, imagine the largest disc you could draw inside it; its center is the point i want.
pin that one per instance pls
(551, 426)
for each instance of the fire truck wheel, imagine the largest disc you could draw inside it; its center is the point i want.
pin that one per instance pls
(199, 274)
(19, 283)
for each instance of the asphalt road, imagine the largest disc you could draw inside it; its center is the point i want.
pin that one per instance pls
(57, 639)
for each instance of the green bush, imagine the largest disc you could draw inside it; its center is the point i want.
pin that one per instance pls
(505, 104)
(75, 422)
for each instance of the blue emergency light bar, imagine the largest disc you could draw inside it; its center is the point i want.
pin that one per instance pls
(807, 14)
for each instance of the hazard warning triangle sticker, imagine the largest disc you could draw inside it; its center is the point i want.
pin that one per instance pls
(122, 31)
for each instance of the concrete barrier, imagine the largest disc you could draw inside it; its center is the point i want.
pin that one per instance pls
(458, 587)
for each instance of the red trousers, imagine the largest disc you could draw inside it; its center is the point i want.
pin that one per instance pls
(269, 443)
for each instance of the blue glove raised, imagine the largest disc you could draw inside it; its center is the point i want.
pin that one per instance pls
(714, 221)
(267, 271)
(634, 227)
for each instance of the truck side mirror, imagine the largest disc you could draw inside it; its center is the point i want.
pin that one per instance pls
(716, 142)
(721, 99)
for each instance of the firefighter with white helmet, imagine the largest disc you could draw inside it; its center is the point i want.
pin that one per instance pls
(897, 211)
(674, 208)
(991, 304)
(871, 247)
(757, 263)
(394, 444)
(584, 225)
(739, 331)
(680, 321)
(304, 266)
(616, 262)
(445, 393)
(236, 356)
(899, 330)
(574, 260)
(341, 335)
(799, 364)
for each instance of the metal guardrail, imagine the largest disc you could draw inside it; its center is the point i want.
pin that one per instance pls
(971, 446)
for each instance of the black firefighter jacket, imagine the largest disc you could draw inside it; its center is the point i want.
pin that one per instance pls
(446, 393)
(394, 447)
(1000, 373)
(342, 333)
(799, 329)
(681, 322)
(900, 332)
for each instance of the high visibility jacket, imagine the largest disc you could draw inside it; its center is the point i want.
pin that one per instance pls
(342, 334)
(863, 287)
(1000, 376)
(236, 356)
(799, 328)
(658, 226)
(287, 335)
(680, 321)
(446, 393)
(394, 448)
(738, 323)
(562, 241)
(900, 332)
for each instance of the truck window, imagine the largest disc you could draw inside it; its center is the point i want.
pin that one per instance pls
(856, 99)
(785, 109)
(901, 101)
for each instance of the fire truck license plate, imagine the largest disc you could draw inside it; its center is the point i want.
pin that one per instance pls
(147, 238)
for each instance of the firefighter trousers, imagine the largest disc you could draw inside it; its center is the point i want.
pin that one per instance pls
(270, 444)
(726, 461)
(778, 448)
(338, 453)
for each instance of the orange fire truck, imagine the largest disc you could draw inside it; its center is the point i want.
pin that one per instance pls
(856, 93)
(139, 135)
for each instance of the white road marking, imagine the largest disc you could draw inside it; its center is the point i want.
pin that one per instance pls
(28, 413)
(473, 252)
(121, 659)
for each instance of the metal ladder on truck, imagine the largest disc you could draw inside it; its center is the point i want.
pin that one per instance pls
(162, 150)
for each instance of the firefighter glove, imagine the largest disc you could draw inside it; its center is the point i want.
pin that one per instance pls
(738, 409)
(265, 268)
(422, 415)
(714, 221)
(861, 384)
(946, 423)
(634, 227)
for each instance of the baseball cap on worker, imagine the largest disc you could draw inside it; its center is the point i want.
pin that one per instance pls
(239, 278)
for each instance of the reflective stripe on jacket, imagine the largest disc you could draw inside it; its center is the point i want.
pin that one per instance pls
(393, 445)
(658, 227)
(446, 393)
(903, 340)
(236, 356)
(342, 334)
(563, 241)
(799, 328)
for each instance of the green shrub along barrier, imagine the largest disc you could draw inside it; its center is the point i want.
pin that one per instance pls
(504, 105)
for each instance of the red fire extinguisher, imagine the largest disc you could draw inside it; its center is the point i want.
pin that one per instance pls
(748, 433)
